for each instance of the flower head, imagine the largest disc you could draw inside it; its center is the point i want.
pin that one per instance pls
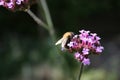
(14, 5)
(84, 44)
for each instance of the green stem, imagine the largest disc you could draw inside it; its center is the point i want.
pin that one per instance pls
(48, 19)
(80, 73)
(48, 25)
(37, 20)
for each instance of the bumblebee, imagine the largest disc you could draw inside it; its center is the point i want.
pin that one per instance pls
(65, 40)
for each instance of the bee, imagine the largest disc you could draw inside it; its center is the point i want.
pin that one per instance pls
(65, 40)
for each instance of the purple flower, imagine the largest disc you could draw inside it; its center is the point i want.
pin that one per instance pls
(10, 5)
(19, 2)
(84, 44)
(93, 34)
(70, 44)
(14, 5)
(85, 51)
(86, 61)
(77, 56)
(1, 2)
(99, 49)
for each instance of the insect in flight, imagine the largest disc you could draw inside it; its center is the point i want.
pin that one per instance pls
(65, 39)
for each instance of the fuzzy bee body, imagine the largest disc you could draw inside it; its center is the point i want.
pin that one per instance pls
(65, 39)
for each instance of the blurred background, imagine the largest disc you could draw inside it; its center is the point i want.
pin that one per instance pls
(27, 52)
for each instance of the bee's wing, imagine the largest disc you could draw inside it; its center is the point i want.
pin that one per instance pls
(64, 42)
(59, 41)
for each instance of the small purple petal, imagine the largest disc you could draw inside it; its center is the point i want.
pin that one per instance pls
(86, 61)
(87, 32)
(90, 40)
(77, 55)
(99, 49)
(75, 36)
(19, 2)
(84, 39)
(1, 2)
(94, 34)
(98, 38)
(10, 5)
(85, 51)
(81, 31)
(70, 44)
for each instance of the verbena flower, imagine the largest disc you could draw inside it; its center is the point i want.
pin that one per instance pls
(84, 44)
(15, 5)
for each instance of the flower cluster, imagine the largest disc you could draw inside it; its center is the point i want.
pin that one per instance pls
(84, 44)
(15, 4)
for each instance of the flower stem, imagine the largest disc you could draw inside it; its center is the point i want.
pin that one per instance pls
(37, 20)
(48, 19)
(80, 73)
(48, 25)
